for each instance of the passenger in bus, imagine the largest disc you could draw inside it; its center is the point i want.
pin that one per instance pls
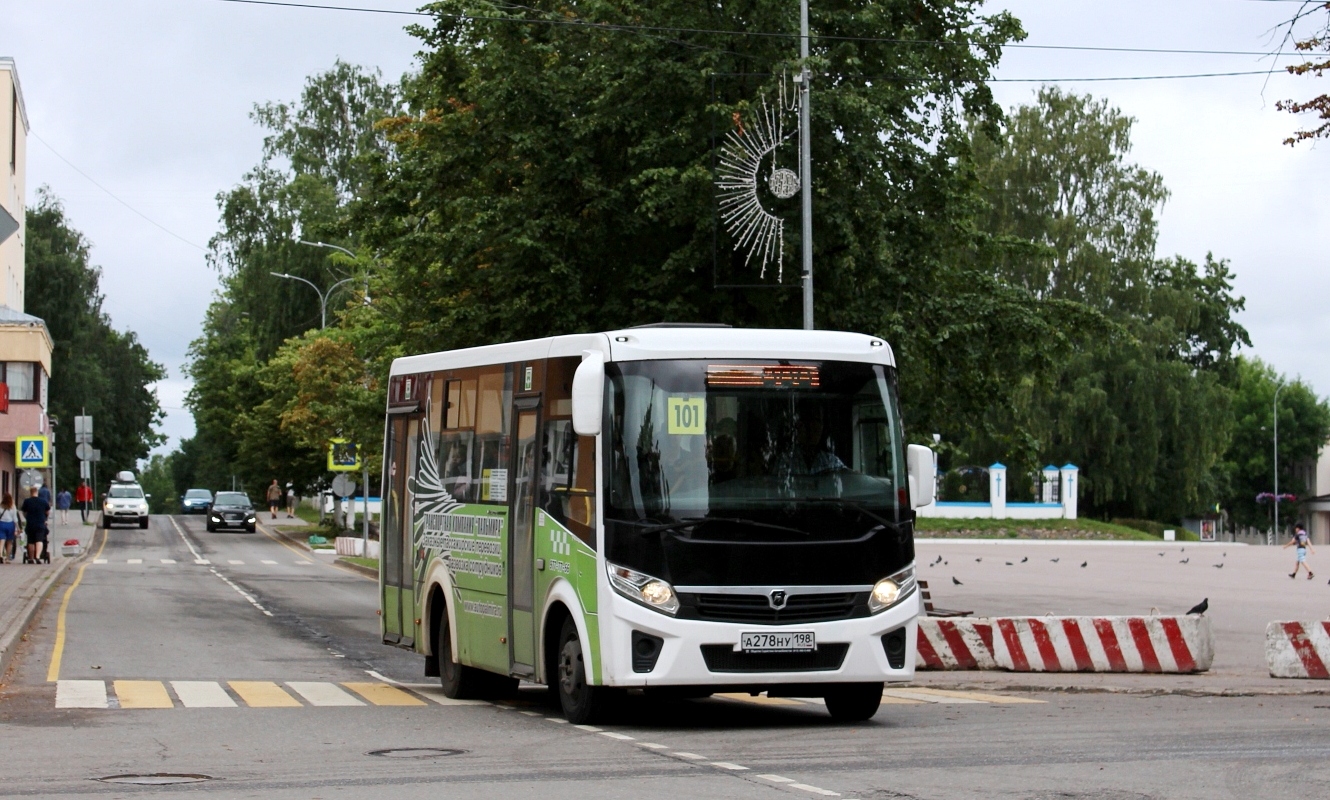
(811, 451)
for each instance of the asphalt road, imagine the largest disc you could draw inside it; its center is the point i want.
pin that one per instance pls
(240, 627)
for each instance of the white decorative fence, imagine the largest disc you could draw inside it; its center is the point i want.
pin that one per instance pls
(998, 508)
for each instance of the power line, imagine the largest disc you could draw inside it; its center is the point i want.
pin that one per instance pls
(1129, 77)
(114, 196)
(730, 32)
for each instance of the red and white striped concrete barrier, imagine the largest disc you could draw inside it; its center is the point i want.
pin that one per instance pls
(955, 643)
(1104, 644)
(1298, 649)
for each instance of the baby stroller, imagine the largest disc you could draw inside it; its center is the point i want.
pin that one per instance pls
(43, 550)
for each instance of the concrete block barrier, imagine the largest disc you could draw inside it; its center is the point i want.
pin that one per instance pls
(1104, 644)
(1298, 649)
(955, 643)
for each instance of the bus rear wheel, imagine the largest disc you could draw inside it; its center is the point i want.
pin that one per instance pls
(854, 702)
(581, 701)
(457, 681)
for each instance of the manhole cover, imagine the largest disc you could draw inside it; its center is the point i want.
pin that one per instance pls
(415, 752)
(156, 779)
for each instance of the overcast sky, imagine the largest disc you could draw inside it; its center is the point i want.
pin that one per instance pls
(150, 98)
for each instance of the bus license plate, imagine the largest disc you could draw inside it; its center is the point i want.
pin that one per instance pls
(783, 642)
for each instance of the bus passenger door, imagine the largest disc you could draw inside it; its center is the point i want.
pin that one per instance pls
(396, 532)
(521, 537)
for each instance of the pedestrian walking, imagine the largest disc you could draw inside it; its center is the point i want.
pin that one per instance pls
(8, 528)
(83, 496)
(62, 503)
(290, 501)
(274, 497)
(34, 512)
(45, 494)
(1303, 543)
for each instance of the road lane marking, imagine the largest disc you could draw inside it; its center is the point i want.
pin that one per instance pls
(776, 778)
(237, 563)
(202, 694)
(727, 765)
(265, 561)
(928, 696)
(978, 697)
(134, 561)
(381, 694)
(263, 694)
(611, 734)
(202, 561)
(322, 693)
(761, 699)
(653, 745)
(303, 563)
(815, 790)
(241, 592)
(80, 694)
(168, 560)
(900, 701)
(691, 756)
(100, 560)
(58, 649)
(142, 694)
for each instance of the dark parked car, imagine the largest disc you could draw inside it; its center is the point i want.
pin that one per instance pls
(231, 510)
(196, 501)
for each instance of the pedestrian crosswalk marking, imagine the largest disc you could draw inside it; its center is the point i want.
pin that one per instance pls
(202, 561)
(263, 694)
(142, 694)
(268, 562)
(80, 694)
(134, 561)
(381, 694)
(202, 694)
(318, 693)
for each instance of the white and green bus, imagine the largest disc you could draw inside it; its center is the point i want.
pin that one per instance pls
(684, 509)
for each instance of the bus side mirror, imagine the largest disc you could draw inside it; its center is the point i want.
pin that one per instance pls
(589, 393)
(922, 473)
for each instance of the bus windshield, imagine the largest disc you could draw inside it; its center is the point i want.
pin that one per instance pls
(754, 450)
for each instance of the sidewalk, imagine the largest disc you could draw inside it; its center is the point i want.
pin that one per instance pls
(22, 586)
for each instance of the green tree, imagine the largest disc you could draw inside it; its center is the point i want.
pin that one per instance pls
(158, 481)
(95, 368)
(313, 165)
(553, 178)
(1304, 427)
(1143, 409)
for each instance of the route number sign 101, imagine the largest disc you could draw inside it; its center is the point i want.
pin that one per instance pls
(687, 415)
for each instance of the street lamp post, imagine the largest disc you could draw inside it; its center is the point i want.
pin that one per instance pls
(1274, 530)
(340, 250)
(805, 167)
(323, 298)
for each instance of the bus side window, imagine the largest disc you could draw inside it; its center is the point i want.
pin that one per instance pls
(568, 484)
(492, 427)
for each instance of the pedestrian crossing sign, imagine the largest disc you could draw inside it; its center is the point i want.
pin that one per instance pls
(32, 451)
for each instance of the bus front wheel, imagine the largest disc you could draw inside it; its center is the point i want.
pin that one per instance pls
(457, 681)
(581, 701)
(854, 702)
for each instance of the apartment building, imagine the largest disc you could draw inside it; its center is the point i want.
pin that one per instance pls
(25, 343)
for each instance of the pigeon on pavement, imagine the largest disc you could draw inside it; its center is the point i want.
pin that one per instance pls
(953, 580)
(1055, 560)
(1085, 563)
(977, 560)
(1185, 560)
(1201, 607)
(1009, 563)
(1219, 566)
(1023, 560)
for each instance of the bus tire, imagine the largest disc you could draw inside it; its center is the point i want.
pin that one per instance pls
(854, 702)
(457, 681)
(581, 702)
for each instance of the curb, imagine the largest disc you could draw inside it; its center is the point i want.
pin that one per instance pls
(1125, 690)
(11, 637)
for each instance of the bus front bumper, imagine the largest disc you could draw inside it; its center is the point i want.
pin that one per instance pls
(704, 653)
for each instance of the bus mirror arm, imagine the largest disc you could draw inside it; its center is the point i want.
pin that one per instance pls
(589, 393)
(921, 467)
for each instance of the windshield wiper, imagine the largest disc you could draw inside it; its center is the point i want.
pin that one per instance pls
(860, 507)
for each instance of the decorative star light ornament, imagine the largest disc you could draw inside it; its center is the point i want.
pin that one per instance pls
(753, 227)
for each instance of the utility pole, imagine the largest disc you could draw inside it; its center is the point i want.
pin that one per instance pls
(1274, 531)
(805, 166)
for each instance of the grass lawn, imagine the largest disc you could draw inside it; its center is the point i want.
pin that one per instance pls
(933, 527)
(372, 563)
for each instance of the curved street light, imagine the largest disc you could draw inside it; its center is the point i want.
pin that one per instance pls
(340, 250)
(323, 298)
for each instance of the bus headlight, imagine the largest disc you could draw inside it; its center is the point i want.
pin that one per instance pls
(642, 588)
(890, 590)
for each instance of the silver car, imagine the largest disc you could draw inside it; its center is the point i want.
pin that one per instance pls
(125, 502)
